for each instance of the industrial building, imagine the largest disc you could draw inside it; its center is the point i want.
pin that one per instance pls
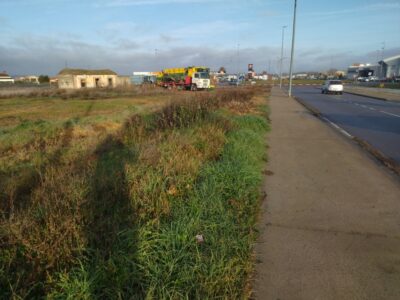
(363, 70)
(384, 69)
(390, 67)
(80, 78)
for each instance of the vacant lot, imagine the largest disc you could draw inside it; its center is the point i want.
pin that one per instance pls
(134, 195)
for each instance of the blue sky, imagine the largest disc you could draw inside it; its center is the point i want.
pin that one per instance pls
(42, 36)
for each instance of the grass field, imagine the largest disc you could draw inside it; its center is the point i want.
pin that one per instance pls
(153, 196)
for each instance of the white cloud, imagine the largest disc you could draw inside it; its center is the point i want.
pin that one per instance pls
(27, 54)
(152, 2)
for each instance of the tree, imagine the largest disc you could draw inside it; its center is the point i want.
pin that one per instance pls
(222, 70)
(44, 79)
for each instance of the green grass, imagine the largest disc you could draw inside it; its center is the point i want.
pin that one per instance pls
(119, 219)
(386, 85)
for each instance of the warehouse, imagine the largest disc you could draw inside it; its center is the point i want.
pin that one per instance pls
(390, 66)
(80, 78)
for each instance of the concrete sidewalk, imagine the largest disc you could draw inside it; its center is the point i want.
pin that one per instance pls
(331, 222)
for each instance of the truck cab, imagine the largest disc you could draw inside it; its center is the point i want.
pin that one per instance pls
(200, 80)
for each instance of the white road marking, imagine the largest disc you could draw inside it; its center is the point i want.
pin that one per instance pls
(341, 130)
(374, 109)
(390, 114)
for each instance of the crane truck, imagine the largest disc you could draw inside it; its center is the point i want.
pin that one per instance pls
(189, 78)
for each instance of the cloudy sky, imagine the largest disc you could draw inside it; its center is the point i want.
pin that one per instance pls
(43, 36)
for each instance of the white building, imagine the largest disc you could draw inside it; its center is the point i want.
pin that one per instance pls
(28, 79)
(261, 77)
(5, 78)
(80, 78)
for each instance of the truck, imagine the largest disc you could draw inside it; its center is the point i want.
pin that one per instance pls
(190, 78)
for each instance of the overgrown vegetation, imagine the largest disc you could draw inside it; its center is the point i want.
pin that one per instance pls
(88, 94)
(118, 215)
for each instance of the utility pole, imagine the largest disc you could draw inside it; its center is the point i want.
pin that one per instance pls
(238, 45)
(383, 53)
(280, 68)
(292, 53)
(155, 57)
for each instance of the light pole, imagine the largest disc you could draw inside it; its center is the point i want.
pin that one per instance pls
(280, 68)
(292, 53)
(237, 62)
(155, 58)
(383, 51)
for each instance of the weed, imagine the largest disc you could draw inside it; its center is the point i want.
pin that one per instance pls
(118, 217)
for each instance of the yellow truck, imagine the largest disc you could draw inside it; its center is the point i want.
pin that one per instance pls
(190, 78)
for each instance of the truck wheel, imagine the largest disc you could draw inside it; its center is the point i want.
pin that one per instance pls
(193, 87)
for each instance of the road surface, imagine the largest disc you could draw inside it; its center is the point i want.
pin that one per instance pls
(374, 121)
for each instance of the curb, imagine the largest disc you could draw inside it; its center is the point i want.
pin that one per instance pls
(312, 109)
(382, 158)
(367, 96)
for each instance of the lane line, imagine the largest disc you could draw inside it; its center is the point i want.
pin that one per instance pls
(374, 109)
(390, 114)
(341, 130)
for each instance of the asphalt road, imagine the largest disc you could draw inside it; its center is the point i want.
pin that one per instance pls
(376, 122)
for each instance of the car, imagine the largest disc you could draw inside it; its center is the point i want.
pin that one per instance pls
(332, 87)
(374, 78)
(363, 79)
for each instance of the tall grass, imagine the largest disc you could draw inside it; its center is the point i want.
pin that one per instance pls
(120, 220)
(88, 94)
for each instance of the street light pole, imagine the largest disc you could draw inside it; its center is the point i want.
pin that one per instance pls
(237, 62)
(292, 53)
(383, 51)
(156, 58)
(280, 68)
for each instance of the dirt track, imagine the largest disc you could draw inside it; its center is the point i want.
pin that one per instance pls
(331, 221)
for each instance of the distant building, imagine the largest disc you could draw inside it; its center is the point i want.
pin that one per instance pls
(80, 78)
(386, 68)
(261, 77)
(53, 81)
(28, 79)
(5, 78)
(390, 67)
(352, 71)
(300, 76)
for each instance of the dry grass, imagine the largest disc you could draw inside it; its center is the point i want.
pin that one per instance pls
(67, 205)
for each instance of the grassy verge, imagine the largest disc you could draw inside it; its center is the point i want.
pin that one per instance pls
(121, 220)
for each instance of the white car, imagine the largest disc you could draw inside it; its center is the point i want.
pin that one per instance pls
(332, 87)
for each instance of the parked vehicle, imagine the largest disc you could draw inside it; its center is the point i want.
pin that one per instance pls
(374, 78)
(332, 87)
(189, 78)
(363, 79)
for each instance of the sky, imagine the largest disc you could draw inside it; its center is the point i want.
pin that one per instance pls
(44, 36)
